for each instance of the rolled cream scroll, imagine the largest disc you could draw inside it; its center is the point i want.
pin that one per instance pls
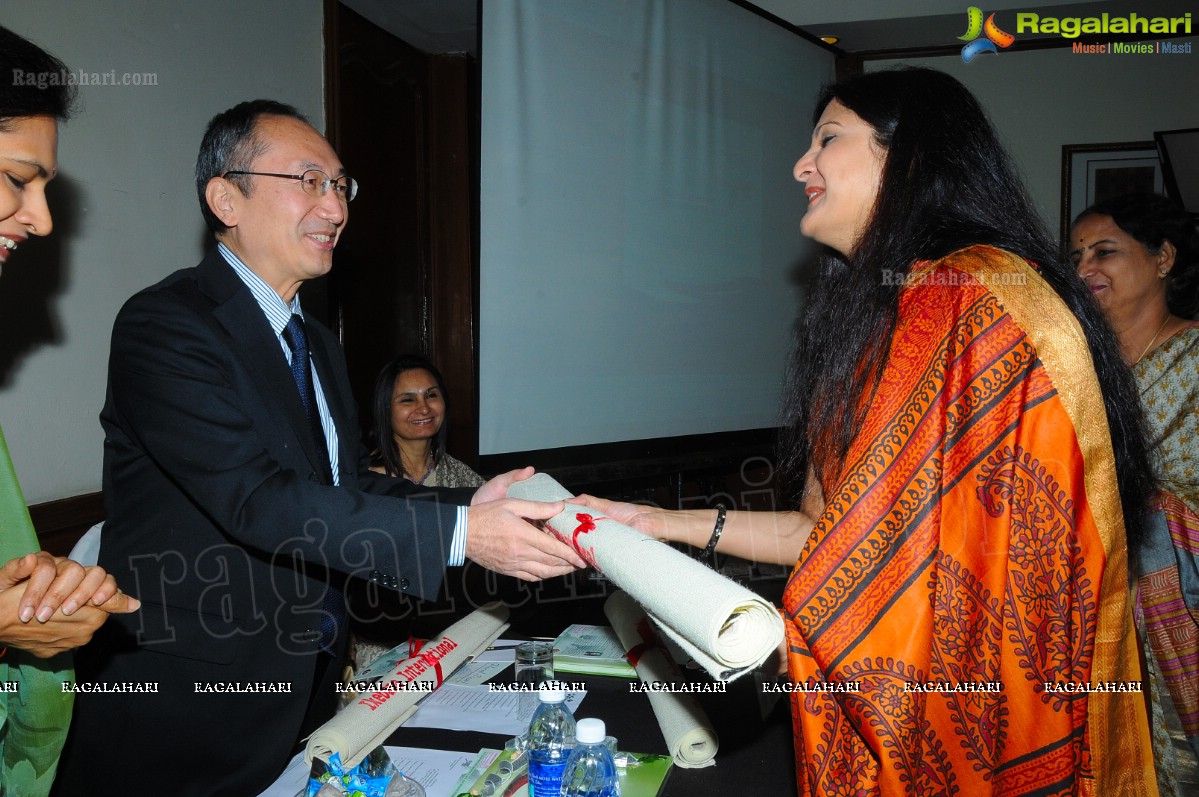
(365, 723)
(723, 626)
(686, 728)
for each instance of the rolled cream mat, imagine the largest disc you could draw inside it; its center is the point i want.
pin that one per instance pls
(685, 726)
(727, 629)
(366, 723)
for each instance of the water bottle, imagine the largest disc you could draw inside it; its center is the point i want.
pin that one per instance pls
(551, 739)
(590, 770)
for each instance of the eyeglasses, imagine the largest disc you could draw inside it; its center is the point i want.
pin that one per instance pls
(315, 183)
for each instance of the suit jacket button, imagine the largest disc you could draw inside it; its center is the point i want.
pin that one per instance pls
(374, 576)
(403, 583)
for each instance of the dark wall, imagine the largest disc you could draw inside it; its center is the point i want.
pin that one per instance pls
(403, 277)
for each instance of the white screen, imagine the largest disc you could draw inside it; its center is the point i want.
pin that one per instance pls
(639, 222)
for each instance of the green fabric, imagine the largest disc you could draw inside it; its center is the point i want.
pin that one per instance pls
(33, 719)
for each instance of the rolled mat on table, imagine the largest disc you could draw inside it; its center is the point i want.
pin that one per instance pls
(723, 626)
(366, 723)
(688, 733)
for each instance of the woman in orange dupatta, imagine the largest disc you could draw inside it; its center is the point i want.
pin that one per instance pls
(972, 460)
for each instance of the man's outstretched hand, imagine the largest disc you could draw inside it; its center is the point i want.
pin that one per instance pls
(500, 537)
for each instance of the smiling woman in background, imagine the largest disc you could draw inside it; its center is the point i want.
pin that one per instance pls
(973, 471)
(1139, 255)
(407, 441)
(408, 431)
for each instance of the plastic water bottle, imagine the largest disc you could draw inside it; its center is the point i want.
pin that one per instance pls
(590, 770)
(551, 740)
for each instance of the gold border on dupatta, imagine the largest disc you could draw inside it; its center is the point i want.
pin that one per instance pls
(1121, 752)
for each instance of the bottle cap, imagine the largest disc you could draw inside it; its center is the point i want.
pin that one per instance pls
(590, 731)
(551, 695)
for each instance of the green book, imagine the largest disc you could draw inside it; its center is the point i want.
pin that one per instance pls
(645, 779)
(591, 649)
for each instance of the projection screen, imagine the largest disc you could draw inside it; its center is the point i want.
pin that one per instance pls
(639, 222)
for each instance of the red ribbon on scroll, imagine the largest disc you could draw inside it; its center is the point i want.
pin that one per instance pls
(586, 524)
(649, 641)
(430, 659)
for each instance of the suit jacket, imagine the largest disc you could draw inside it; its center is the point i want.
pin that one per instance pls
(219, 522)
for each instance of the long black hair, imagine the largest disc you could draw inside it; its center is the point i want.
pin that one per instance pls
(32, 82)
(946, 183)
(1154, 219)
(382, 440)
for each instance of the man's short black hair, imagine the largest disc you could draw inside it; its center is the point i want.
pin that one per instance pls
(230, 144)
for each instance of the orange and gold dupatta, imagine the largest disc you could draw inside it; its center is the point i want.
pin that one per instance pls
(967, 583)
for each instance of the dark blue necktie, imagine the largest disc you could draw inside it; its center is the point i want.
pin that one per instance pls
(301, 370)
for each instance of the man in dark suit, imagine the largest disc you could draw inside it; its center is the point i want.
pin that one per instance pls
(239, 498)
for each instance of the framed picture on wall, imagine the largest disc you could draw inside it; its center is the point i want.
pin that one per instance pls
(1179, 151)
(1095, 172)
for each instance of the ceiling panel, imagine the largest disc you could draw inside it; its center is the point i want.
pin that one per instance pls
(449, 26)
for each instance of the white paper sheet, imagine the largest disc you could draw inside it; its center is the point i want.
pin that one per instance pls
(500, 655)
(437, 770)
(478, 708)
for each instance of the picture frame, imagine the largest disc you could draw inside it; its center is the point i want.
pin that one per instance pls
(1095, 172)
(1179, 151)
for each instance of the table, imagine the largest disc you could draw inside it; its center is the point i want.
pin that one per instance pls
(755, 755)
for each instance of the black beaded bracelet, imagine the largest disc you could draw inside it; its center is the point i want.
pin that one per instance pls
(705, 555)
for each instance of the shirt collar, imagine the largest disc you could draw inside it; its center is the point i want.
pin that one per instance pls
(277, 311)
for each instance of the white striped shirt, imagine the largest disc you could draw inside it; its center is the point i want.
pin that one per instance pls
(278, 313)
